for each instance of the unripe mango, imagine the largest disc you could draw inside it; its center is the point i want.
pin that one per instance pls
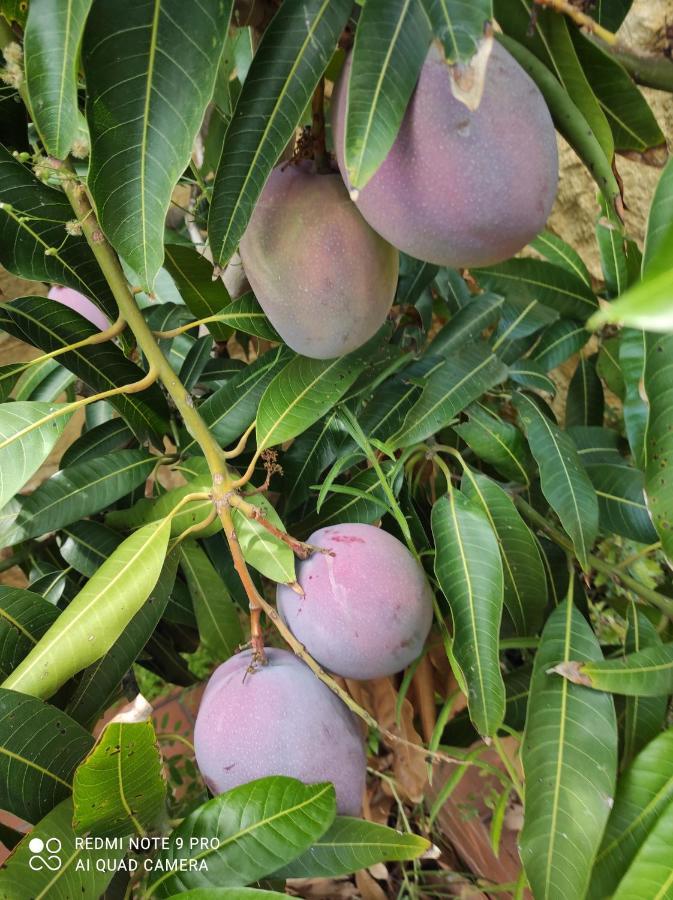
(324, 278)
(459, 187)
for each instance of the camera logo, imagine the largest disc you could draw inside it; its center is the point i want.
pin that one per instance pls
(44, 854)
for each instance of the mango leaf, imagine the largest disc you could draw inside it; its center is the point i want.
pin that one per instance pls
(27, 437)
(650, 872)
(461, 380)
(40, 748)
(558, 342)
(585, 404)
(391, 43)
(632, 356)
(469, 570)
(119, 788)
(459, 25)
(246, 315)
(659, 237)
(659, 438)
(466, 325)
(459, 731)
(300, 394)
(170, 53)
(536, 279)
(569, 760)
(285, 70)
(621, 501)
(617, 267)
(261, 549)
(525, 582)
(32, 220)
(360, 499)
(24, 618)
(216, 614)
(644, 792)
(644, 717)
(94, 619)
(309, 455)
(529, 373)
(565, 484)
(87, 545)
(61, 870)
(252, 830)
(352, 844)
(646, 305)
(233, 893)
(98, 440)
(558, 251)
(646, 673)
(497, 442)
(193, 275)
(75, 492)
(51, 326)
(51, 45)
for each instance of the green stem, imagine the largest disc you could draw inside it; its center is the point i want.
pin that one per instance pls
(509, 767)
(665, 604)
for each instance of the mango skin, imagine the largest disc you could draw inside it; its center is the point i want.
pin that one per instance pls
(81, 304)
(278, 720)
(367, 609)
(324, 278)
(461, 188)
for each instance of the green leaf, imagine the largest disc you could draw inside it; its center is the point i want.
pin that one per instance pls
(608, 366)
(98, 441)
(529, 373)
(360, 499)
(565, 484)
(246, 315)
(535, 279)
(462, 379)
(51, 326)
(119, 788)
(391, 43)
(497, 442)
(27, 437)
(621, 501)
(87, 545)
(557, 251)
(469, 570)
(352, 844)
(74, 493)
(300, 394)
(40, 748)
(643, 793)
(525, 582)
(51, 46)
(169, 53)
(261, 549)
(559, 342)
(216, 614)
(466, 325)
(285, 70)
(241, 893)
(193, 275)
(32, 220)
(659, 237)
(647, 673)
(644, 717)
(460, 732)
(650, 873)
(585, 404)
(659, 438)
(459, 25)
(62, 870)
(94, 619)
(569, 760)
(252, 830)
(632, 357)
(24, 618)
(648, 305)
(309, 456)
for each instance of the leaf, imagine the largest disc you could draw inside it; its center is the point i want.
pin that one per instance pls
(195, 362)
(391, 43)
(193, 275)
(659, 237)
(285, 70)
(300, 394)
(351, 844)
(252, 830)
(585, 404)
(96, 441)
(632, 357)
(87, 545)
(497, 442)
(361, 499)
(559, 342)
(169, 52)
(466, 325)
(565, 484)
(460, 732)
(62, 870)
(659, 440)
(75, 492)
(26, 440)
(535, 279)
(529, 373)
(32, 220)
(558, 251)
(246, 315)
(644, 717)
(462, 378)
(51, 326)
(459, 25)
(643, 793)
(51, 45)
(648, 304)
(94, 619)
(569, 757)
(309, 456)
(621, 501)
(40, 748)
(647, 673)
(469, 570)
(525, 582)
(216, 614)
(261, 549)
(241, 893)
(650, 872)
(24, 618)
(119, 788)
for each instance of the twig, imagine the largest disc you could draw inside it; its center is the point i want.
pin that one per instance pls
(300, 548)
(580, 18)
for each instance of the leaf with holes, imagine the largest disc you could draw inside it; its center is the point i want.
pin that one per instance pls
(142, 126)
